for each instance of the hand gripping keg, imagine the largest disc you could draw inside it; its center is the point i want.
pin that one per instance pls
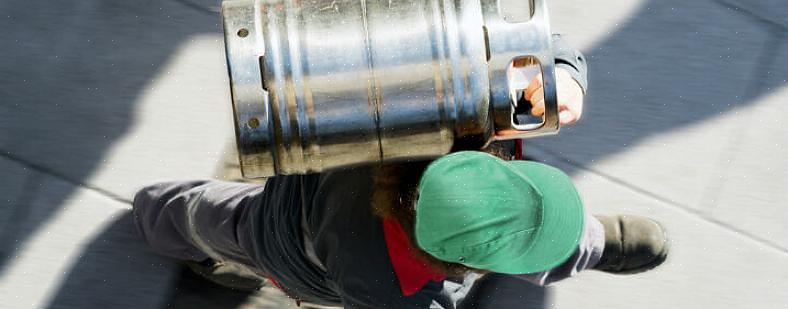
(318, 84)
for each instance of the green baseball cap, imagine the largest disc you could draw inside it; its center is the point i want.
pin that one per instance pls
(513, 217)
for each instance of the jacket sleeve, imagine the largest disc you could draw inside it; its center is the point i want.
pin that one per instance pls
(570, 59)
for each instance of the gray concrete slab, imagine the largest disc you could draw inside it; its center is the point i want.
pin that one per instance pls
(666, 89)
(121, 90)
(107, 96)
(182, 122)
(751, 194)
(87, 255)
(585, 23)
(11, 190)
(73, 73)
(710, 265)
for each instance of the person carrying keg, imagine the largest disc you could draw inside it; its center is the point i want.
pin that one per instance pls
(418, 234)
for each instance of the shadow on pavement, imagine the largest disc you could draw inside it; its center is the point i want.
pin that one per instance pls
(193, 291)
(116, 270)
(71, 73)
(670, 65)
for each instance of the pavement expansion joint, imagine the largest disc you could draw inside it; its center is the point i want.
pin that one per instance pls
(55, 174)
(689, 210)
(754, 15)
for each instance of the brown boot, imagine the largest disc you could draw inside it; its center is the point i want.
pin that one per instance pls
(633, 244)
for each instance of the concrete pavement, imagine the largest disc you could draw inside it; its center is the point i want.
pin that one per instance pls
(684, 122)
(98, 98)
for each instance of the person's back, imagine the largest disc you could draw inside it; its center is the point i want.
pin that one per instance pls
(320, 240)
(349, 241)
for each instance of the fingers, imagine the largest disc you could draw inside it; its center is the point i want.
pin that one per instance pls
(535, 94)
(566, 117)
(537, 103)
(575, 106)
(571, 109)
(534, 87)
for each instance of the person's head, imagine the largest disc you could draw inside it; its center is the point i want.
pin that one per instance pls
(473, 210)
(512, 217)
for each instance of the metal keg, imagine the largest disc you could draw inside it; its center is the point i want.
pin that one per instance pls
(318, 84)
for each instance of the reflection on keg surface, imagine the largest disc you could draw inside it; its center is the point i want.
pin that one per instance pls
(327, 83)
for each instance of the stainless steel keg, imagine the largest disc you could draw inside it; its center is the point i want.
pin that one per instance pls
(318, 84)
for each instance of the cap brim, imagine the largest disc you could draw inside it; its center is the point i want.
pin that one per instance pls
(562, 220)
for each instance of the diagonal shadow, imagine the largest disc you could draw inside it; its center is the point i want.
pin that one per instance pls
(671, 65)
(71, 73)
(116, 270)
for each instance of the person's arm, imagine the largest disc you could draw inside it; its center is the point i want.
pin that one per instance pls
(571, 60)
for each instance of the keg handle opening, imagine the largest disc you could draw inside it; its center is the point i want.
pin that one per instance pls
(531, 81)
(533, 39)
(527, 88)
